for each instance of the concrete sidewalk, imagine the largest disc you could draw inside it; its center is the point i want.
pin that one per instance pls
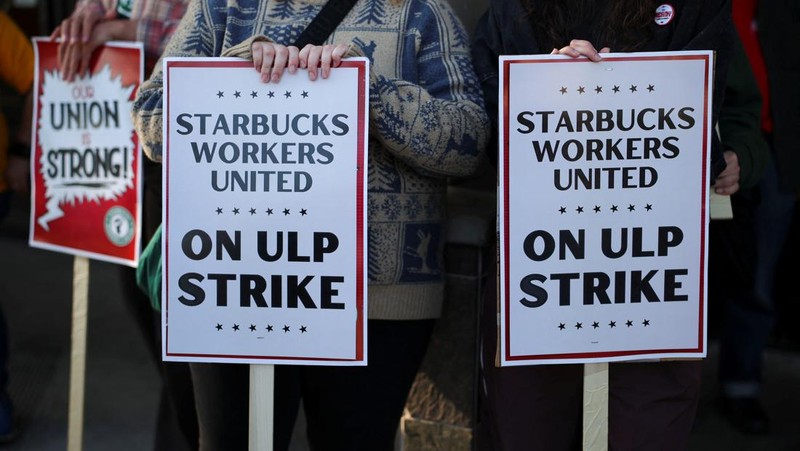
(122, 384)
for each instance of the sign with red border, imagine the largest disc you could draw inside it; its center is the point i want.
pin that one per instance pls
(604, 188)
(264, 214)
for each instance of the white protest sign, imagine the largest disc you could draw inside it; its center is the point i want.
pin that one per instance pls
(604, 207)
(264, 214)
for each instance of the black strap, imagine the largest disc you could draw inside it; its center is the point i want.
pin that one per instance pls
(327, 19)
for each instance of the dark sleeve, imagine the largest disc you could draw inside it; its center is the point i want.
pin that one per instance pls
(486, 48)
(504, 29)
(740, 119)
(707, 25)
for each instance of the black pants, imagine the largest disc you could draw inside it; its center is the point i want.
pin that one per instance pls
(176, 423)
(651, 406)
(355, 408)
(740, 318)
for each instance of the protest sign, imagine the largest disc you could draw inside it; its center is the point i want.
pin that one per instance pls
(85, 169)
(604, 180)
(264, 214)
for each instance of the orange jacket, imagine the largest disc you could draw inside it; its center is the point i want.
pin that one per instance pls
(16, 70)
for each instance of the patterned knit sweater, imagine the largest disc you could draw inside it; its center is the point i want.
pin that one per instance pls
(427, 122)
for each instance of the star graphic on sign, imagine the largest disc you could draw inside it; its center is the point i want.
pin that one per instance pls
(303, 329)
(237, 94)
(615, 88)
(252, 211)
(648, 207)
(562, 210)
(220, 94)
(236, 210)
(561, 326)
(303, 212)
(612, 324)
(219, 210)
(286, 212)
(579, 325)
(304, 94)
(269, 327)
(598, 89)
(219, 326)
(235, 327)
(253, 94)
(271, 94)
(633, 88)
(631, 207)
(269, 212)
(252, 328)
(579, 209)
(287, 94)
(597, 209)
(286, 328)
(595, 324)
(629, 323)
(646, 322)
(651, 88)
(614, 208)
(563, 90)
(581, 89)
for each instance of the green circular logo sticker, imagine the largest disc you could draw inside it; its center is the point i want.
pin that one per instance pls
(119, 226)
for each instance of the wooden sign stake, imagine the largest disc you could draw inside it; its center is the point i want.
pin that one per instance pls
(77, 374)
(262, 407)
(595, 406)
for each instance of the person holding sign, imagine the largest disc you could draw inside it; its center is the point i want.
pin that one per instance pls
(92, 24)
(764, 27)
(427, 124)
(651, 405)
(744, 318)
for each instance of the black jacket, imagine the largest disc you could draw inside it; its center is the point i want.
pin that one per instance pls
(779, 33)
(505, 29)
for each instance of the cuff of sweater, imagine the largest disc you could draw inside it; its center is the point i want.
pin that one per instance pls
(405, 302)
(245, 48)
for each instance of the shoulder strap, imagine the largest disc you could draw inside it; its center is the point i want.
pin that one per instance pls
(323, 24)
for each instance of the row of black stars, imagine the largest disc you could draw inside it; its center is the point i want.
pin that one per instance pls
(269, 328)
(599, 89)
(253, 211)
(254, 94)
(597, 209)
(611, 324)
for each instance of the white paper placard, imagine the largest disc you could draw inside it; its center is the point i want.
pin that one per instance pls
(604, 180)
(264, 214)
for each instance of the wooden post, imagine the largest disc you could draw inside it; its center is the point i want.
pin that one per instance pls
(262, 407)
(595, 406)
(77, 374)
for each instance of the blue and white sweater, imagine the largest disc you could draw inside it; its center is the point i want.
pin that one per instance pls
(427, 122)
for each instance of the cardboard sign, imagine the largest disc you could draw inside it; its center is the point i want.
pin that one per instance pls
(264, 214)
(85, 170)
(604, 180)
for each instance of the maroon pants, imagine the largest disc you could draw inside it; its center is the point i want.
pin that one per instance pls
(651, 405)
